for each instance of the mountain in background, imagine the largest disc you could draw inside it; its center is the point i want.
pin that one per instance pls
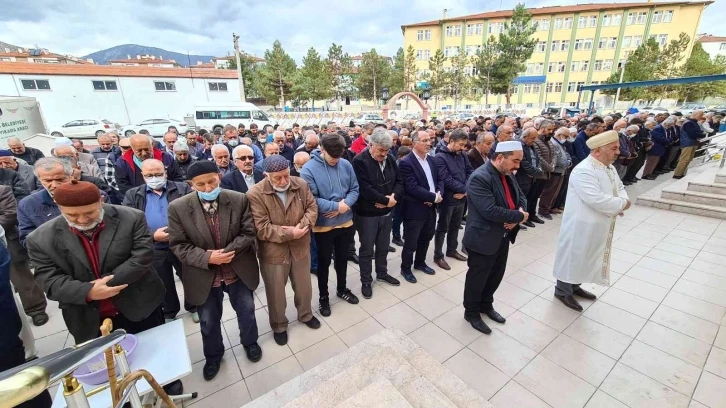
(4, 45)
(126, 50)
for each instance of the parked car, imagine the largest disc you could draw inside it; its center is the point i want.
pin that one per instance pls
(718, 108)
(216, 116)
(688, 108)
(465, 116)
(369, 118)
(155, 127)
(84, 128)
(654, 110)
(412, 116)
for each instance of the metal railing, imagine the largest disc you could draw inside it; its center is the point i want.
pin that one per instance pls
(715, 146)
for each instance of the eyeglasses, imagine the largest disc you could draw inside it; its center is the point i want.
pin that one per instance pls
(243, 158)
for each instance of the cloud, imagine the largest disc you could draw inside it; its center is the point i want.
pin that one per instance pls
(80, 27)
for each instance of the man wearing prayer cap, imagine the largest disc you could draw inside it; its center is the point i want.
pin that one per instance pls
(595, 196)
(284, 210)
(496, 208)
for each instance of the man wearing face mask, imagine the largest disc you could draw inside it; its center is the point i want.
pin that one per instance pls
(128, 166)
(231, 138)
(284, 210)
(213, 235)
(246, 175)
(153, 199)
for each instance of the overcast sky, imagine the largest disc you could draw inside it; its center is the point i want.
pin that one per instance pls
(80, 27)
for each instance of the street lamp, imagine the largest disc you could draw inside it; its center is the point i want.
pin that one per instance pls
(426, 94)
(384, 94)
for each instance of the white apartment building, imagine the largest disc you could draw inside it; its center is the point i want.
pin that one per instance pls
(713, 45)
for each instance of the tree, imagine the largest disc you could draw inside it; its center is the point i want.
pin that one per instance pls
(397, 81)
(699, 64)
(488, 65)
(669, 61)
(373, 74)
(312, 80)
(459, 82)
(641, 65)
(516, 46)
(249, 74)
(409, 71)
(277, 75)
(340, 67)
(436, 76)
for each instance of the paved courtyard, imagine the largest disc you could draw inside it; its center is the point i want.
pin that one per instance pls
(655, 338)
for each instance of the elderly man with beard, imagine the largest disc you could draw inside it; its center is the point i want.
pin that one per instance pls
(246, 176)
(284, 210)
(546, 184)
(71, 153)
(184, 157)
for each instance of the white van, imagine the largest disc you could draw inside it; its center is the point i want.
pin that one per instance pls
(216, 116)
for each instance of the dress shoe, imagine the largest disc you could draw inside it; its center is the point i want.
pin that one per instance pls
(627, 183)
(425, 269)
(478, 324)
(545, 216)
(254, 352)
(522, 227)
(408, 276)
(441, 263)
(353, 258)
(314, 272)
(636, 179)
(494, 315)
(556, 211)
(40, 319)
(389, 280)
(570, 302)
(391, 249)
(677, 177)
(210, 370)
(398, 241)
(195, 317)
(529, 223)
(537, 220)
(584, 294)
(280, 338)
(313, 323)
(174, 388)
(649, 177)
(366, 290)
(457, 256)
(324, 306)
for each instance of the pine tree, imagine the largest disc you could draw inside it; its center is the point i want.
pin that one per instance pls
(699, 64)
(489, 75)
(373, 74)
(340, 67)
(313, 80)
(409, 71)
(397, 81)
(516, 46)
(641, 65)
(436, 76)
(459, 83)
(249, 74)
(277, 75)
(669, 62)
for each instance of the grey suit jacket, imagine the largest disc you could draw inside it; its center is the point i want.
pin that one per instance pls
(63, 271)
(190, 240)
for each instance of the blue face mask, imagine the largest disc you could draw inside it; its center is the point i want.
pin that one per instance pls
(210, 196)
(137, 161)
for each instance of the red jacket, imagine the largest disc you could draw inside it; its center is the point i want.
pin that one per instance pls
(358, 145)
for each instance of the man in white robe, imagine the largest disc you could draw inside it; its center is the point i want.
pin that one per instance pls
(595, 196)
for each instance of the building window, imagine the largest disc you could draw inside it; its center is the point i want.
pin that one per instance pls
(551, 67)
(585, 65)
(598, 65)
(218, 86)
(641, 17)
(449, 31)
(541, 46)
(470, 29)
(565, 45)
(626, 41)
(558, 23)
(479, 29)
(571, 86)
(631, 19)
(662, 39)
(592, 21)
(578, 44)
(539, 68)
(164, 86)
(558, 86)
(613, 42)
(602, 43)
(527, 88)
(637, 40)
(722, 47)
(568, 22)
(607, 65)
(35, 84)
(668, 16)
(5, 59)
(495, 28)
(451, 51)
(575, 65)
(560, 67)
(606, 20)
(657, 17)
(515, 90)
(555, 46)
(535, 88)
(588, 43)
(457, 30)
(423, 55)
(530, 68)
(470, 50)
(544, 25)
(427, 35)
(617, 19)
(105, 85)
(581, 22)
(419, 35)
(548, 87)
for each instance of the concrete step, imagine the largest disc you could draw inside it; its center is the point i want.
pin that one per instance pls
(378, 394)
(683, 206)
(389, 355)
(711, 188)
(720, 177)
(715, 200)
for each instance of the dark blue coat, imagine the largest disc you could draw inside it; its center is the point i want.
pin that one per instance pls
(690, 133)
(416, 187)
(454, 169)
(488, 210)
(580, 146)
(235, 181)
(661, 141)
(9, 316)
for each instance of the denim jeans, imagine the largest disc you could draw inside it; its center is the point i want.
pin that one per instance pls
(313, 253)
(210, 318)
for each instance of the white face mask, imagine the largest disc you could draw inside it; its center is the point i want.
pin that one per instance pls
(155, 183)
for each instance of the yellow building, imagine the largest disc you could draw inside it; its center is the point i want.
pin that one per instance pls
(577, 45)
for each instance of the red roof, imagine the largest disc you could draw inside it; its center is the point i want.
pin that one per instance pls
(711, 38)
(205, 65)
(560, 10)
(113, 70)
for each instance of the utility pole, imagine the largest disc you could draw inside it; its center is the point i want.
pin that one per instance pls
(235, 38)
(617, 93)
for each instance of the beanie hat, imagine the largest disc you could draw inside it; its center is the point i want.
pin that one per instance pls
(6, 153)
(275, 163)
(76, 194)
(201, 167)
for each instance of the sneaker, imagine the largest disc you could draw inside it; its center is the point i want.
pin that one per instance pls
(389, 280)
(324, 306)
(348, 296)
(366, 290)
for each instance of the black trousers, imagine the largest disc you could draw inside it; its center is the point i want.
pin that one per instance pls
(417, 235)
(156, 318)
(560, 200)
(337, 240)
(448, 228)
(635, 166)
(165, 262)
(533, 195)
(12, 356)
(483, 278)
(375, 236)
